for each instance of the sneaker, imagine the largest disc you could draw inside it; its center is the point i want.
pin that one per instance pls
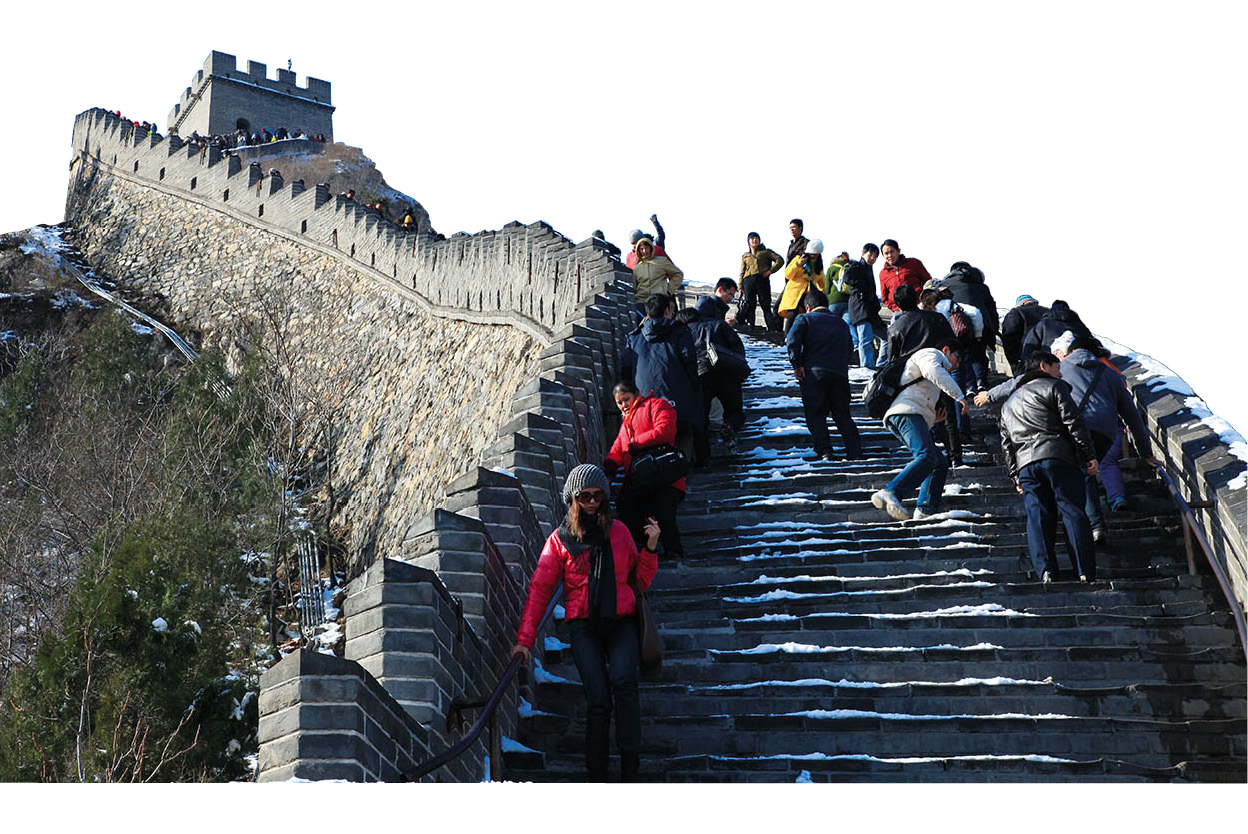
(1047, 578)
(920, 513)
(827, 456)
(887, 501)
(1120, 505)
(1083, 577)
(1099, 535)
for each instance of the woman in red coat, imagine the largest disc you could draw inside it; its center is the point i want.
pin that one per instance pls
(898, 270)
(649, 421)
(593, 555)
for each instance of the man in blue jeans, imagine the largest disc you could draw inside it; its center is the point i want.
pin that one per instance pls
(910, 418)
(1048, 449)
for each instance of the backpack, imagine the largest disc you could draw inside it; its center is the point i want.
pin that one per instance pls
(963, 326)
(884, 387)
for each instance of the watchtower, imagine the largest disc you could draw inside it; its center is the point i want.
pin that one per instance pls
(221, 100)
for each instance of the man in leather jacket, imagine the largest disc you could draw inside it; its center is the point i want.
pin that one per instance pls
(1047, 449)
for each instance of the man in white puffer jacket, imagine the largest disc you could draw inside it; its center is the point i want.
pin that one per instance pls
(910, 419)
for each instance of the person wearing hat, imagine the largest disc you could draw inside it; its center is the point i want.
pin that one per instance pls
(803, 272)
(593, 555)
(653, 273)
(612, 249)
(898, 270)
(1027, 311)
(757, 267)
(658, 240)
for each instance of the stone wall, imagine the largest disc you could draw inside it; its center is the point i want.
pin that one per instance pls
(465, 378)
(1203, 468)
(220, 95)
(417, 375)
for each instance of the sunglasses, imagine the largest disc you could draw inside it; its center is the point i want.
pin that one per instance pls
(596, 497)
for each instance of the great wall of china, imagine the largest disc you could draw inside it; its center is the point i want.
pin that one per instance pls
(465, 377)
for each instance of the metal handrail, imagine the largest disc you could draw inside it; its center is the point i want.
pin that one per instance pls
(487, 714)
(1189, 529)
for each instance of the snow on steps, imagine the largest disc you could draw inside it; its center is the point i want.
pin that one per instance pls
(808, 636)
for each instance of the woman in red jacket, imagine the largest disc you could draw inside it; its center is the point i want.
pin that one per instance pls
(649, 421)
(593, 555)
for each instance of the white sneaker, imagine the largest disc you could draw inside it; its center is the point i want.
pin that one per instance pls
(920, 513)
(886, 500)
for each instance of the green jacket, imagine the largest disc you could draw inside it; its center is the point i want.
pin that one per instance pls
(837, 292)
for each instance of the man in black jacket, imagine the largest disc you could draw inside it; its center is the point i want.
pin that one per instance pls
(720, 381)
(1027, 311)
(914, 329)
(660, 358)
(818, 344)
(1055, 322)
(1047, 449)
(796, 249)
(863, 315)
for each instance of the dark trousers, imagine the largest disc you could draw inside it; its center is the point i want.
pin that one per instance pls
(607, 656)
(756, 291)
(717, 384)
(634, 506)
(826, 392)
(972, 377)
(1052, 488)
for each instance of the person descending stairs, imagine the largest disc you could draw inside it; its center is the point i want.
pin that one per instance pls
(808, 637)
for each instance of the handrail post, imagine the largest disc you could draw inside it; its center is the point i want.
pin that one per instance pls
(1187, 544)
(496, 749)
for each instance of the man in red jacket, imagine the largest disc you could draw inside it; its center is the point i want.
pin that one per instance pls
(898, 270)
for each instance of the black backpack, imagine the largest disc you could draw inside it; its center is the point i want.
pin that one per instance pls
(885, 386)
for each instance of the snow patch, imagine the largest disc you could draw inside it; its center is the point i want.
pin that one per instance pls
(159, 624)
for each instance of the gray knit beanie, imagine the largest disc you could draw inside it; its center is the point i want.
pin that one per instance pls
(586, 476)
(634, 236)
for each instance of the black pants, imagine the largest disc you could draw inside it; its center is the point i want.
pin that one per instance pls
(607, 656)
(1052, 488)
(756, 290)
(826, 392)
(727, 389)
(635, 506)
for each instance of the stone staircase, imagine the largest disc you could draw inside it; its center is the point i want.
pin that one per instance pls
(811, 638)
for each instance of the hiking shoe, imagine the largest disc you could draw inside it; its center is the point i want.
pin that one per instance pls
(1120, 505)
(887, 501)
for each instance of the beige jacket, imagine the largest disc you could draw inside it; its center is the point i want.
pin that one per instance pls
(655, 275)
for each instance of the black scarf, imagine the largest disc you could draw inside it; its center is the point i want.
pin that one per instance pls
(594, 547)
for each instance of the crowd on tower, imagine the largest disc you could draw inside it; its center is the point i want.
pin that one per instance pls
(1061, 417)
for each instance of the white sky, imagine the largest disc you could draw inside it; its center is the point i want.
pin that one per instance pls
(1085, 151)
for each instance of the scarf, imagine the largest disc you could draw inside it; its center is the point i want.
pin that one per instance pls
(594, 547)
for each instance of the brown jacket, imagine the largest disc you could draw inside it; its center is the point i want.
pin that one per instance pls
(760, 262)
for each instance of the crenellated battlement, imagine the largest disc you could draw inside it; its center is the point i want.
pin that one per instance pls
(528, 276)
(251, 97)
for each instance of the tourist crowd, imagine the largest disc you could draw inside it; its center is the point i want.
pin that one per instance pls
(1061, 420)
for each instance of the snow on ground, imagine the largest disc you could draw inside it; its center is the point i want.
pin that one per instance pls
(990, 609)
(781, 594)
(1161, 378)
(848, 684)
(863, 757)
(763, 579)
(807, 648)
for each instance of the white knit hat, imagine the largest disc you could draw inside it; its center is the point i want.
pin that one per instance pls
(814, 247)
